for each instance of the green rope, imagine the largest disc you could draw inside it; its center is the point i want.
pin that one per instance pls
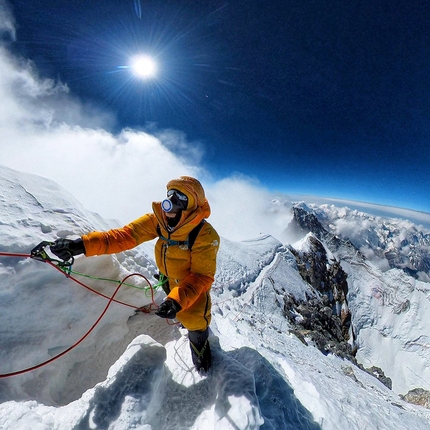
(68, 270)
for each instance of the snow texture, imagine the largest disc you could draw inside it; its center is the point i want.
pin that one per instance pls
(134, 371)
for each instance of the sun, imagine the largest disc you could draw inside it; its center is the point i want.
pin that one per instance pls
(143, 66)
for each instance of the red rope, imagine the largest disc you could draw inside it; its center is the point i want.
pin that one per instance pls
(95, 291)
(11, 254)
(29, 369)
(111, 299)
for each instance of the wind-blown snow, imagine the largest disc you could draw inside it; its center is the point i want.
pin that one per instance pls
(135, 372)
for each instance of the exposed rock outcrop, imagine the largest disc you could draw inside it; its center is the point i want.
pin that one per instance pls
(418, 396)
(318, 267)
(325, 322)
(314, 321)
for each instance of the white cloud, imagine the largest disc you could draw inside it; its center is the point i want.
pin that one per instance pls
(245, 210)
(47, 131)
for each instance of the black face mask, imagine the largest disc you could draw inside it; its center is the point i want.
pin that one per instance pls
(173, 222)
(175, 202)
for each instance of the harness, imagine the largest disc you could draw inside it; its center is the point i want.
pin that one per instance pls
(186, 244)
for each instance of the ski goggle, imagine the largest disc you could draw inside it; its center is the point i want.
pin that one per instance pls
(175, 202)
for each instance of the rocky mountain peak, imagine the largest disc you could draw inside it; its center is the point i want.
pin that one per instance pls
(326, 321)
(306, 221)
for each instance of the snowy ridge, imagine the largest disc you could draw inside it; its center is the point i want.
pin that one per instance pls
(135, 371)
(244, 261)
(387, 242)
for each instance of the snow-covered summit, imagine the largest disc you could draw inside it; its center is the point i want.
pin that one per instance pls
(134, 371)
(387, 242)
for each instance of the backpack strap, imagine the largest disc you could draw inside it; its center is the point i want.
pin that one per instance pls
(190, 240)
(194, 233)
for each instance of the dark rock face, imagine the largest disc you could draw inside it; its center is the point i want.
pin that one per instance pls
(314, 320)
(326, 322)
(379, 374)
(326, 275)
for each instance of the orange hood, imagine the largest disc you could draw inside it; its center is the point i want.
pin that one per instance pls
(193, 189)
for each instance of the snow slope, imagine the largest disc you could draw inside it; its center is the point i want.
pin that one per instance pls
(390, 316)
(134, 371)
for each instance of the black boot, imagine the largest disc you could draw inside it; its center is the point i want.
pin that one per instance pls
(200, 349)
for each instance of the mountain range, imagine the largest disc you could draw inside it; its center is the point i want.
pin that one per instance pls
(324, 330)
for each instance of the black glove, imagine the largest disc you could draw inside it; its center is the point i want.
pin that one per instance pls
(168, 309)
(67, 248)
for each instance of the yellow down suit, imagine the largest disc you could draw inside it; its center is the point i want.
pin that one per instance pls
(190, 273)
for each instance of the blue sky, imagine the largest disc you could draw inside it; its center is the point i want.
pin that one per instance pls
(325, 98)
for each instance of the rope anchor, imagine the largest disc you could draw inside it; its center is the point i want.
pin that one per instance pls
(39, 253)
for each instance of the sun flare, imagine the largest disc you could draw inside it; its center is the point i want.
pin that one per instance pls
(143, 66)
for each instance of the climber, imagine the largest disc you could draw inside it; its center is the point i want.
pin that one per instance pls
(189, 272)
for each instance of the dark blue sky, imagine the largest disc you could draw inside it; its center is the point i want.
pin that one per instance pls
(313, 97)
